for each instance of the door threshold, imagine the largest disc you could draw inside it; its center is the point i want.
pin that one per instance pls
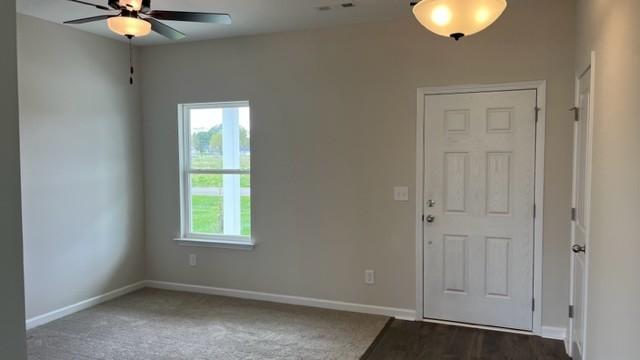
(481, 327)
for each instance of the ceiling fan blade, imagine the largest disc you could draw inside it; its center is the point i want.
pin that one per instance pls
(165, 30)
(212, 18)
(90, 19)
(90, 4)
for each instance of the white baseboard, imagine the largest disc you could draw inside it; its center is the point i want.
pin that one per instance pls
(556, 333)
(404, 314)
(85, 304)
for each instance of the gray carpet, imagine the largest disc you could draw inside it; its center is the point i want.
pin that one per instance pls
(159, 324)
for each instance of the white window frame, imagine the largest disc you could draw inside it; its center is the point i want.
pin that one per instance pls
(187, 237)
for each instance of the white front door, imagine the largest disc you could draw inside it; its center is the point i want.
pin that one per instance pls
(479, 205)
(580, 216)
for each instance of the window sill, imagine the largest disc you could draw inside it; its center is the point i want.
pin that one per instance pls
(217, 243)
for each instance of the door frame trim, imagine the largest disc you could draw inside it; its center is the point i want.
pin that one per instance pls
(541, 89)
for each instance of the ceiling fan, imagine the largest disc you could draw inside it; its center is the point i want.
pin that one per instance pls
(137, 19)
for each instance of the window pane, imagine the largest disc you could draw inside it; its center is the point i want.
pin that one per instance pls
(221, 204)
(206, 204)
(220, 138)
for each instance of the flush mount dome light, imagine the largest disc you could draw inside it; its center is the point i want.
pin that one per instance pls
(458, 18)
(129, 26)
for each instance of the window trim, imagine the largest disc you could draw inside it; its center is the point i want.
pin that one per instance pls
(187, 237)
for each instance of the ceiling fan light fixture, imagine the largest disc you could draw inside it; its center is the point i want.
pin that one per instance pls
(458, 18)
(129, 26)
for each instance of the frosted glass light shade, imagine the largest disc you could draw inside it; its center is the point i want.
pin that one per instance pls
(458, 18)
(129, 26)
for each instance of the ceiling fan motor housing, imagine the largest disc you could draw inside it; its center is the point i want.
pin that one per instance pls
(118, 4)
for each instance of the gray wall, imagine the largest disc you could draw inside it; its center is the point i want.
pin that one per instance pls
(12, 335)
(333, 132)
(610, 28)
(81, 166)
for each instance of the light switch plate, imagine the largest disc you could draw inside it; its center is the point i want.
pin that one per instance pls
(401, 193)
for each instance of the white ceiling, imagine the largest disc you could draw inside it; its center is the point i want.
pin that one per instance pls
(249, 16)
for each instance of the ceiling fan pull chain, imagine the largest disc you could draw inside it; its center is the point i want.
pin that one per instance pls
(130, 60)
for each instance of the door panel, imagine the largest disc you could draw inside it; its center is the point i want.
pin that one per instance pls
(580, 226)
(480, 162)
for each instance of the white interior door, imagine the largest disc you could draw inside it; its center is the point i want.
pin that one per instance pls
(479, 201)
(580, 215)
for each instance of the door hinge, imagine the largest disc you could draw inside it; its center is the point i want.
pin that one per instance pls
(573, 214)
(537, 110)
(576, 113)
(534, 211)
(533, 304)
(570, 311)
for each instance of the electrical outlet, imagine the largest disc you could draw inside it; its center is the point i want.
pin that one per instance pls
(193, 260)
(369, 277)
(401, 193)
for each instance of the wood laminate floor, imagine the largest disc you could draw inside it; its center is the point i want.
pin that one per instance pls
(420, 340)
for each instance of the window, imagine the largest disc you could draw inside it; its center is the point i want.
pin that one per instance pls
(216, 173)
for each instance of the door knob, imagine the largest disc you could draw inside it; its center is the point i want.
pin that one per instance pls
(430, 218)
(578, 249)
